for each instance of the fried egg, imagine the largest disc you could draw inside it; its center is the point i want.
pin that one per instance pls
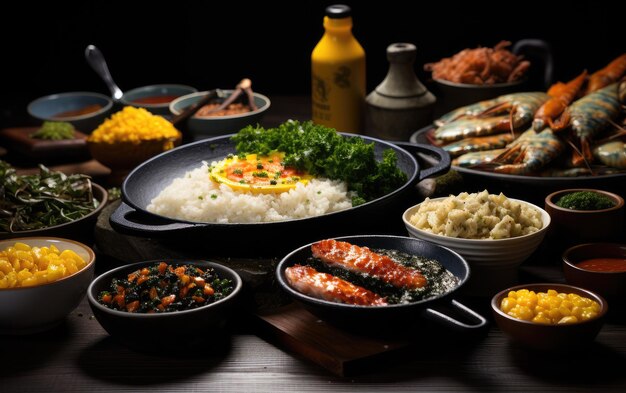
(258, 174)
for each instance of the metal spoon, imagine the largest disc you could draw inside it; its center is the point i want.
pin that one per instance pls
(96, 61)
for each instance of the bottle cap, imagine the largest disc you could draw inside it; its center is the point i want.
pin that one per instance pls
(338, 11)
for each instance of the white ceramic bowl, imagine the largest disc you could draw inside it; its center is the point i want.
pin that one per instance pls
(26, 310)
(493, 262)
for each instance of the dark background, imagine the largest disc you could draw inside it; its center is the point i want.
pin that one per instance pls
(209, 44)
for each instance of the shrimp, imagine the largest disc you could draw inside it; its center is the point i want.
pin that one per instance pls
(530, 155)
(478, 144)
(520, 107)
(607, 75)
(590, 115)
(612, 154)
(477, 158)
(554, 112)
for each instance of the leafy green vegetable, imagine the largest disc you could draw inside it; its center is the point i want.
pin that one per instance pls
(54, 130)
(585, 200)
(42, 200)
(321, 151)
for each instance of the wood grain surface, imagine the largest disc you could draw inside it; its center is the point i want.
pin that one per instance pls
(18, 139)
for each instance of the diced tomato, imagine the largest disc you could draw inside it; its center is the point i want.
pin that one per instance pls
(199, 281)
(132, 306)
(208, 290)
(145, 271)
(167, 300)
(119, 300)
(107, 298)
(162, 268)
(153, 293)
(132, 277)
(179, 271)
(120, 290)
(198, 299)
(142, 278)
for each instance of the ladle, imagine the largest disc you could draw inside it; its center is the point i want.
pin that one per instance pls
(96, 61)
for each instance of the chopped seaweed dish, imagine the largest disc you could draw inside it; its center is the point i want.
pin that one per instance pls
(164, 287)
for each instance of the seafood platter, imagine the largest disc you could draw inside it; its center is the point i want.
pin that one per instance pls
(573, 135)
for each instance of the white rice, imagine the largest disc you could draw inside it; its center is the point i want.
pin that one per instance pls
(194, 197)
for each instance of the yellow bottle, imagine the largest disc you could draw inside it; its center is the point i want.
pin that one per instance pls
(338, 74)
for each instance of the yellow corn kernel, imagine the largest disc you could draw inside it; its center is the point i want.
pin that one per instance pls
(21, 265)
(133, 125)
(541, 318)
(507, 304)
(550, 307)
(5, 266)
(568, 319)
(21, 246)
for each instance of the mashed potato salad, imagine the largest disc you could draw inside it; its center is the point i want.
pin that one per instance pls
(477, 216)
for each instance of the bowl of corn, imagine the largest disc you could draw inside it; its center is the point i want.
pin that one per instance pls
(42, 280)
(549, 316)
(130, 137)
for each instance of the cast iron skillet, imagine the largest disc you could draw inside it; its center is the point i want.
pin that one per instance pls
(372, 319)
(148, 179)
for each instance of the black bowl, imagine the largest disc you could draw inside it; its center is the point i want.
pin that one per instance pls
(395, 317)
(203, 327)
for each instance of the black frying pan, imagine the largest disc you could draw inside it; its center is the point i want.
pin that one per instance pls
(147, 180)
(396, 316)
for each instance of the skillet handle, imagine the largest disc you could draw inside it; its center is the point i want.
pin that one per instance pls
(121, 220)
(440, 317)
(439, 166)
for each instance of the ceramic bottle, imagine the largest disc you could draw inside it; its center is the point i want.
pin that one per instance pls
(400, 104)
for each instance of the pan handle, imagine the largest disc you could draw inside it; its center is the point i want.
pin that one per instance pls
(440, 317)
(122, 221)
(440, 165)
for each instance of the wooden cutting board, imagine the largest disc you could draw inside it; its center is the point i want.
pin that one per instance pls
(18, 139)
(343, 353)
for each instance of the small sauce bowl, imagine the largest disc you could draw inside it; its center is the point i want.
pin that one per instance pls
(156, 98)
(610, 284)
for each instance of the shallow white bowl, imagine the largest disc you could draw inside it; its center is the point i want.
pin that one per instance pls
(493, 262)
(26, 310)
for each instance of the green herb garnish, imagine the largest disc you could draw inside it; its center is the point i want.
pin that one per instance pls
(321, 151)
(585, 200)
(42, 200)
(54, 130)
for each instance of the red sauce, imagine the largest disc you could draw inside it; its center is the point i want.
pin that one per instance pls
(78, 112)
(604, 264)
(155, 100)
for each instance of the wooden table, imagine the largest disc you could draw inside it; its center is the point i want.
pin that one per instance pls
(79, 356)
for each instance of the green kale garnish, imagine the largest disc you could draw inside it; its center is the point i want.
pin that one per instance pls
(321, 151)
